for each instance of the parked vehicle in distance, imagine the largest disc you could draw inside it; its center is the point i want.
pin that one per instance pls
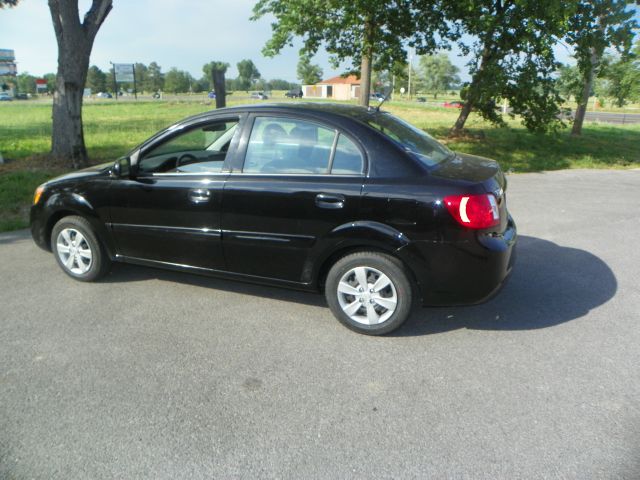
(454, 104)
(295, 93)
(376, 96)
(103, 95)
(5, 97)
(421, 100)
(211, 95)
(21, 96)
(350, 201)
(156, 95)
(259, 96)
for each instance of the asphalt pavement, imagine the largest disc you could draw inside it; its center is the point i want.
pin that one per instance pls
(161, 375)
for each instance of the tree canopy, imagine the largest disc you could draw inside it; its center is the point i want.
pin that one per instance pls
(247, 74)
(511, 43)
(356, 31)
(594, 26)
(438, 74)
(307, 72)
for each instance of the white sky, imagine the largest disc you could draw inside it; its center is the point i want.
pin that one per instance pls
(175, 33)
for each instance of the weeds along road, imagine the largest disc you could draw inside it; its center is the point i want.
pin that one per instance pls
(154, 374)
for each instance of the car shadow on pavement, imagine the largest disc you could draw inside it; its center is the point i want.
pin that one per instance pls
(549, 285)
(134, 273)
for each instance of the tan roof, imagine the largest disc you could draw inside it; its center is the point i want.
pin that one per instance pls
(351, 80)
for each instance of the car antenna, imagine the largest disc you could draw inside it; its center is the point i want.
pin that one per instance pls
(383, 100)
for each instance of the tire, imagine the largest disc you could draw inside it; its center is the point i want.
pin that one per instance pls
(381, 309)
(77, 249)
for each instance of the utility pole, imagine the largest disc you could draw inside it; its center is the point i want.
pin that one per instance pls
(410, 68)
(115, 83)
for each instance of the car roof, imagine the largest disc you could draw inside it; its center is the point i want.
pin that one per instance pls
(327, 110)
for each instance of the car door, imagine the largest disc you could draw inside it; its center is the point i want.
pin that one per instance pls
(169, 211)
(299, 180)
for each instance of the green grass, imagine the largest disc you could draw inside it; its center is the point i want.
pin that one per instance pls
(112, 129)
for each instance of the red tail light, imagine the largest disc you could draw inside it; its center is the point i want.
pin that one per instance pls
(474, 211)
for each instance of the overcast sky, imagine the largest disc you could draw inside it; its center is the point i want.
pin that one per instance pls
(175, 33)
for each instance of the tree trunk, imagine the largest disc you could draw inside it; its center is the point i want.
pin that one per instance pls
(365, 80)
(462, 118)
(75, 41)
(471, 99)
(365, 65)
(67, 141)
(219, 87)
(581, 110)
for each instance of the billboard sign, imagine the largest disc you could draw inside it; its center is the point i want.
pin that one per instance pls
(7, 55)
(8, 69)
(124, 72)
(8, 62)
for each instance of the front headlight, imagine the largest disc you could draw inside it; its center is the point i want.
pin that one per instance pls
(38, 194)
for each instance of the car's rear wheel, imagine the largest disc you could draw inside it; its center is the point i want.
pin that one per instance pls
(78, 250)
(369, 292)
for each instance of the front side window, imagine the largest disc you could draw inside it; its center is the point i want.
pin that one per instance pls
(290, 146)
(198, 150)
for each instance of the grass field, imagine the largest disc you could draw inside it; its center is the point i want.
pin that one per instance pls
(112, 129)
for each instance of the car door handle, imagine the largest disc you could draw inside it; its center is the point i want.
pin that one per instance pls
(199, 195)
(331, 201)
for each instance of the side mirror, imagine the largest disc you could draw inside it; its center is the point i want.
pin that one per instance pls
(121, 168)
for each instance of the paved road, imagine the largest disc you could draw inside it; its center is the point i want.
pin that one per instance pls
(618, 118)
(168, 376)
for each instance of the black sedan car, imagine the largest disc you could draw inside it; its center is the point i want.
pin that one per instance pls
(350, 201)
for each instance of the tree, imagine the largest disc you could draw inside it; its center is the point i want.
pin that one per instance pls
(511, 43)
(356, 30)
(96, 79)
(569, 82)
(307, 72)
(177, 81)
(154, 81)
(619, 79)
(216, 71)
(247, 74)
(26, 83)
(51, 81)
(75, 41)
(280, 84)
(595, 26)
(438, 74)
(140, 74)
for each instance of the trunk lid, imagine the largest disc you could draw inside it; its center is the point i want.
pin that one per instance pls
(472, 170)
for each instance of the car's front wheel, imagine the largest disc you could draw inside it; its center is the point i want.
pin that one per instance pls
(369, 292)
(78, 250)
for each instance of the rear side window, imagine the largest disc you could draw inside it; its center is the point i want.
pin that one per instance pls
(290, 146)
(411, 139)
(347, 158)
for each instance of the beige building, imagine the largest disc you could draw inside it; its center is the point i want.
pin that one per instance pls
(337, 88)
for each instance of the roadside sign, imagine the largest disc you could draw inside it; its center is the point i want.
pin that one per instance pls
(124, 72)
(8, 62)
(7, 55)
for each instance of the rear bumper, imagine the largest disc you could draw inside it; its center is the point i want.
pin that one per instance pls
(464, 272)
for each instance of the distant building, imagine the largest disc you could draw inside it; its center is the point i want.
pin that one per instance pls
(337, 88)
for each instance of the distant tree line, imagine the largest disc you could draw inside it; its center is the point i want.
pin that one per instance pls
(150, 78)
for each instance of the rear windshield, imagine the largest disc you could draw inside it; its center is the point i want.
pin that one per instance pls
(413, 140)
